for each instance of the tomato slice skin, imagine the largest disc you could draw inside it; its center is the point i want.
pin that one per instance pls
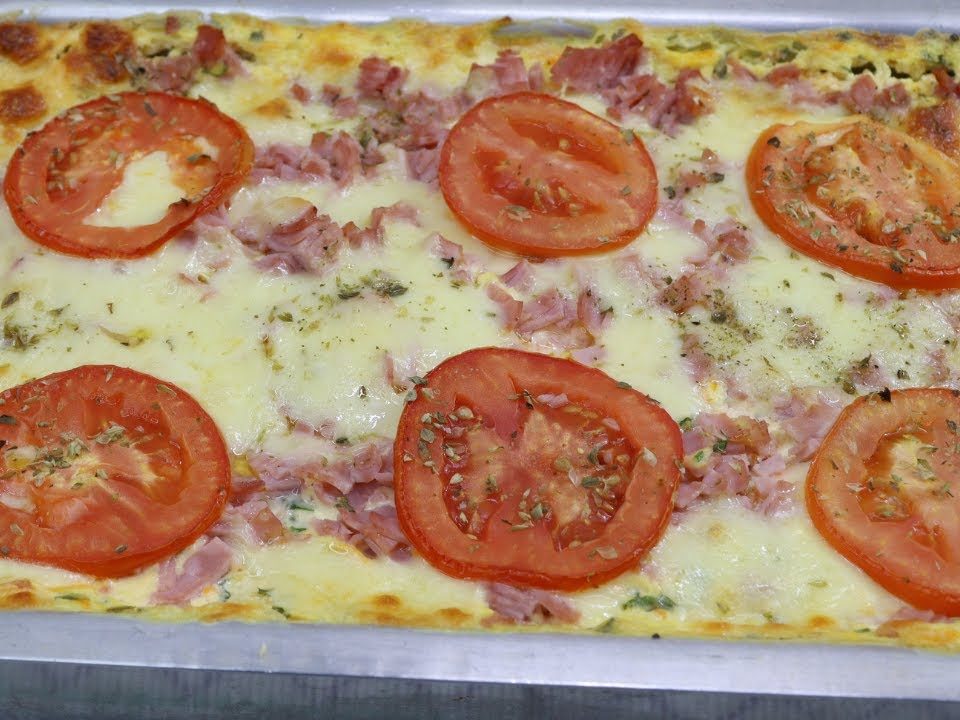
(535, 175)
(61, 173)
(546, 507)
(105, 470)
(868, 199)
(879, 491)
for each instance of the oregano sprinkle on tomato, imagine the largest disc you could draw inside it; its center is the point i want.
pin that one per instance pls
(61, 174)
(104, 473)
(493, 483)
(884, 491)
(539, 176)
(863, 197)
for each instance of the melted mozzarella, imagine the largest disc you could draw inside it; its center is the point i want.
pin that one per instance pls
(143, 197)
(260, 350)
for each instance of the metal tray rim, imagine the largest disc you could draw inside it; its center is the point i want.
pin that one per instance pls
(792, 668)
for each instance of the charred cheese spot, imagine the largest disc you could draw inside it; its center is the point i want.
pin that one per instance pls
(18, 594)
(277, 107)
(386, 601)
(108, 48)
(334, 57)
(454, 616)
(466, 43)
(20, 42)
(22, 104)
(939, 125)
(228, 611)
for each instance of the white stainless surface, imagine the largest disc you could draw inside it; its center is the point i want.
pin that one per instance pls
(597, 660)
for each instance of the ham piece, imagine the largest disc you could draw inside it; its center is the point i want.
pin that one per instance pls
(204, 567)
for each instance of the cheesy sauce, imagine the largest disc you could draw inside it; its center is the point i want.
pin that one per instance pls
(261, 351)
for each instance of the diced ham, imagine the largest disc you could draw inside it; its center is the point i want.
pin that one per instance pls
(423, 165)
(509, 307)
(806, 421)
(528, 605)
(946, 85)
(378, 531)
(740, 71)
(783, 75)
(301, 93)
(283, 475)
(204, 567)
(906, 616)
(306, 242)
(699, 362)
(685, 292)
(547, 308)
(379, 79)
(210, 46)
(242, 486)
(360, 486)
(589, 312)
(867, 373)
(171, 24)
(336, 156)
(724, 245)
(938, 367)
(372, 463)
(772, 492)
(171, 74)
(373, 234)
(507, 74)
(611, 71)
(591, 69)
(375, 534)
(642, 94)
(742, 434)
(210, 51)
(343, 106)
(265, 525)
(398, 212)
(519, 277)
(732, 457)
(590, 355)
(864, 96)
(553, 321)
(464, 267)
(665, 108)
(692, 101)
(861, 95)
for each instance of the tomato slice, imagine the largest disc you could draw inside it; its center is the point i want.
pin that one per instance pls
(863, 197)
(498, 477)
(539, 176)
(104, 470)
(883, 490)
(61, 174)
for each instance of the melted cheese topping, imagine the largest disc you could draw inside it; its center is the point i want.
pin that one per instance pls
(263, 351)
(143, 197)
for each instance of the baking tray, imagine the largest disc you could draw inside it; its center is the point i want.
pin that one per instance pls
(37, 650)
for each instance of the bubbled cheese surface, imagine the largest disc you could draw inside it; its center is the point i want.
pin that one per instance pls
(260, 350)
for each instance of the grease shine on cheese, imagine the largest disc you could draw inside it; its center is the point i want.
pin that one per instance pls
(726, 569)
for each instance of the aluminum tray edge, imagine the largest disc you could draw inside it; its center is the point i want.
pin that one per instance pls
(538, 659)
(884, 15)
